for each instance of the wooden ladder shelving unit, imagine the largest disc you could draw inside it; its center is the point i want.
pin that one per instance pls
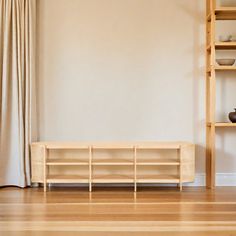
(213, 14)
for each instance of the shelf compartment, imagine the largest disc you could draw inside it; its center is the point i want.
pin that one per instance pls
(225, 13)
(66, 162)
(158, 179)
(155, 162)
(225, 45)
(67, 179)
(113, 162)
(113, 179)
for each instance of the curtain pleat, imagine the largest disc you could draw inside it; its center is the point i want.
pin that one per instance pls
(17, 89)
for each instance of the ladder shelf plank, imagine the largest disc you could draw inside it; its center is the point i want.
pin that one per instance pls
(225, 45)
(225, 124)
(225, 13)
(221, 124)
(225, 68)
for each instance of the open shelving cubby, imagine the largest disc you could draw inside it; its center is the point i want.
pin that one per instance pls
(149, 159)
(70, 157)
(112, 164)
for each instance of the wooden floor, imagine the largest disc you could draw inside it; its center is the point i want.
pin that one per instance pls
(118, 211)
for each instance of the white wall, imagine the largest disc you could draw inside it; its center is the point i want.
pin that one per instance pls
(128, 70)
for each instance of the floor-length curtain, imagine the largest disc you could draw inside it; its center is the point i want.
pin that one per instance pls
(17, 75)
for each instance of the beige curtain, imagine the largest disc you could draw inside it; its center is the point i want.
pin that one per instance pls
(17, 74)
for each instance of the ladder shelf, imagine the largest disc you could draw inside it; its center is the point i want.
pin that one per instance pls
(213, 14)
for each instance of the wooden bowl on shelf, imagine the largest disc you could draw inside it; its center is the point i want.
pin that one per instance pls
(225, 62)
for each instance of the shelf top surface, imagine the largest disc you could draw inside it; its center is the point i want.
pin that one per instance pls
(226, 68)
(67, 177)
(112, 145)
(111, 161)
(113, 178)
(142, 161)
(223, 124)
(226, 9)
(158, 178)
(66, 161)
(157, 162)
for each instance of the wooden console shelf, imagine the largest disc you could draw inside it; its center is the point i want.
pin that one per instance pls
(110, 163)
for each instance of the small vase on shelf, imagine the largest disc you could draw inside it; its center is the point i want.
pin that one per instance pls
(232, 116)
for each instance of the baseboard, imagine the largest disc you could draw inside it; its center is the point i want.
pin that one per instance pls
(222, 179)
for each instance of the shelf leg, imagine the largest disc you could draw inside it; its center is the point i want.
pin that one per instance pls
(45, 170)
(210, 158)
(180, 187)
(90, 168)
(135, 169)
(180, 169)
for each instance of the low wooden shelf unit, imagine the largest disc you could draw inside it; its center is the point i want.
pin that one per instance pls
(130, 163)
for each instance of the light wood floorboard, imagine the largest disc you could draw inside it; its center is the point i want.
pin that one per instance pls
(118, 211)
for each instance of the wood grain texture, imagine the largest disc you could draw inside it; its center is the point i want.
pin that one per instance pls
(118, 211)
(210, 91)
